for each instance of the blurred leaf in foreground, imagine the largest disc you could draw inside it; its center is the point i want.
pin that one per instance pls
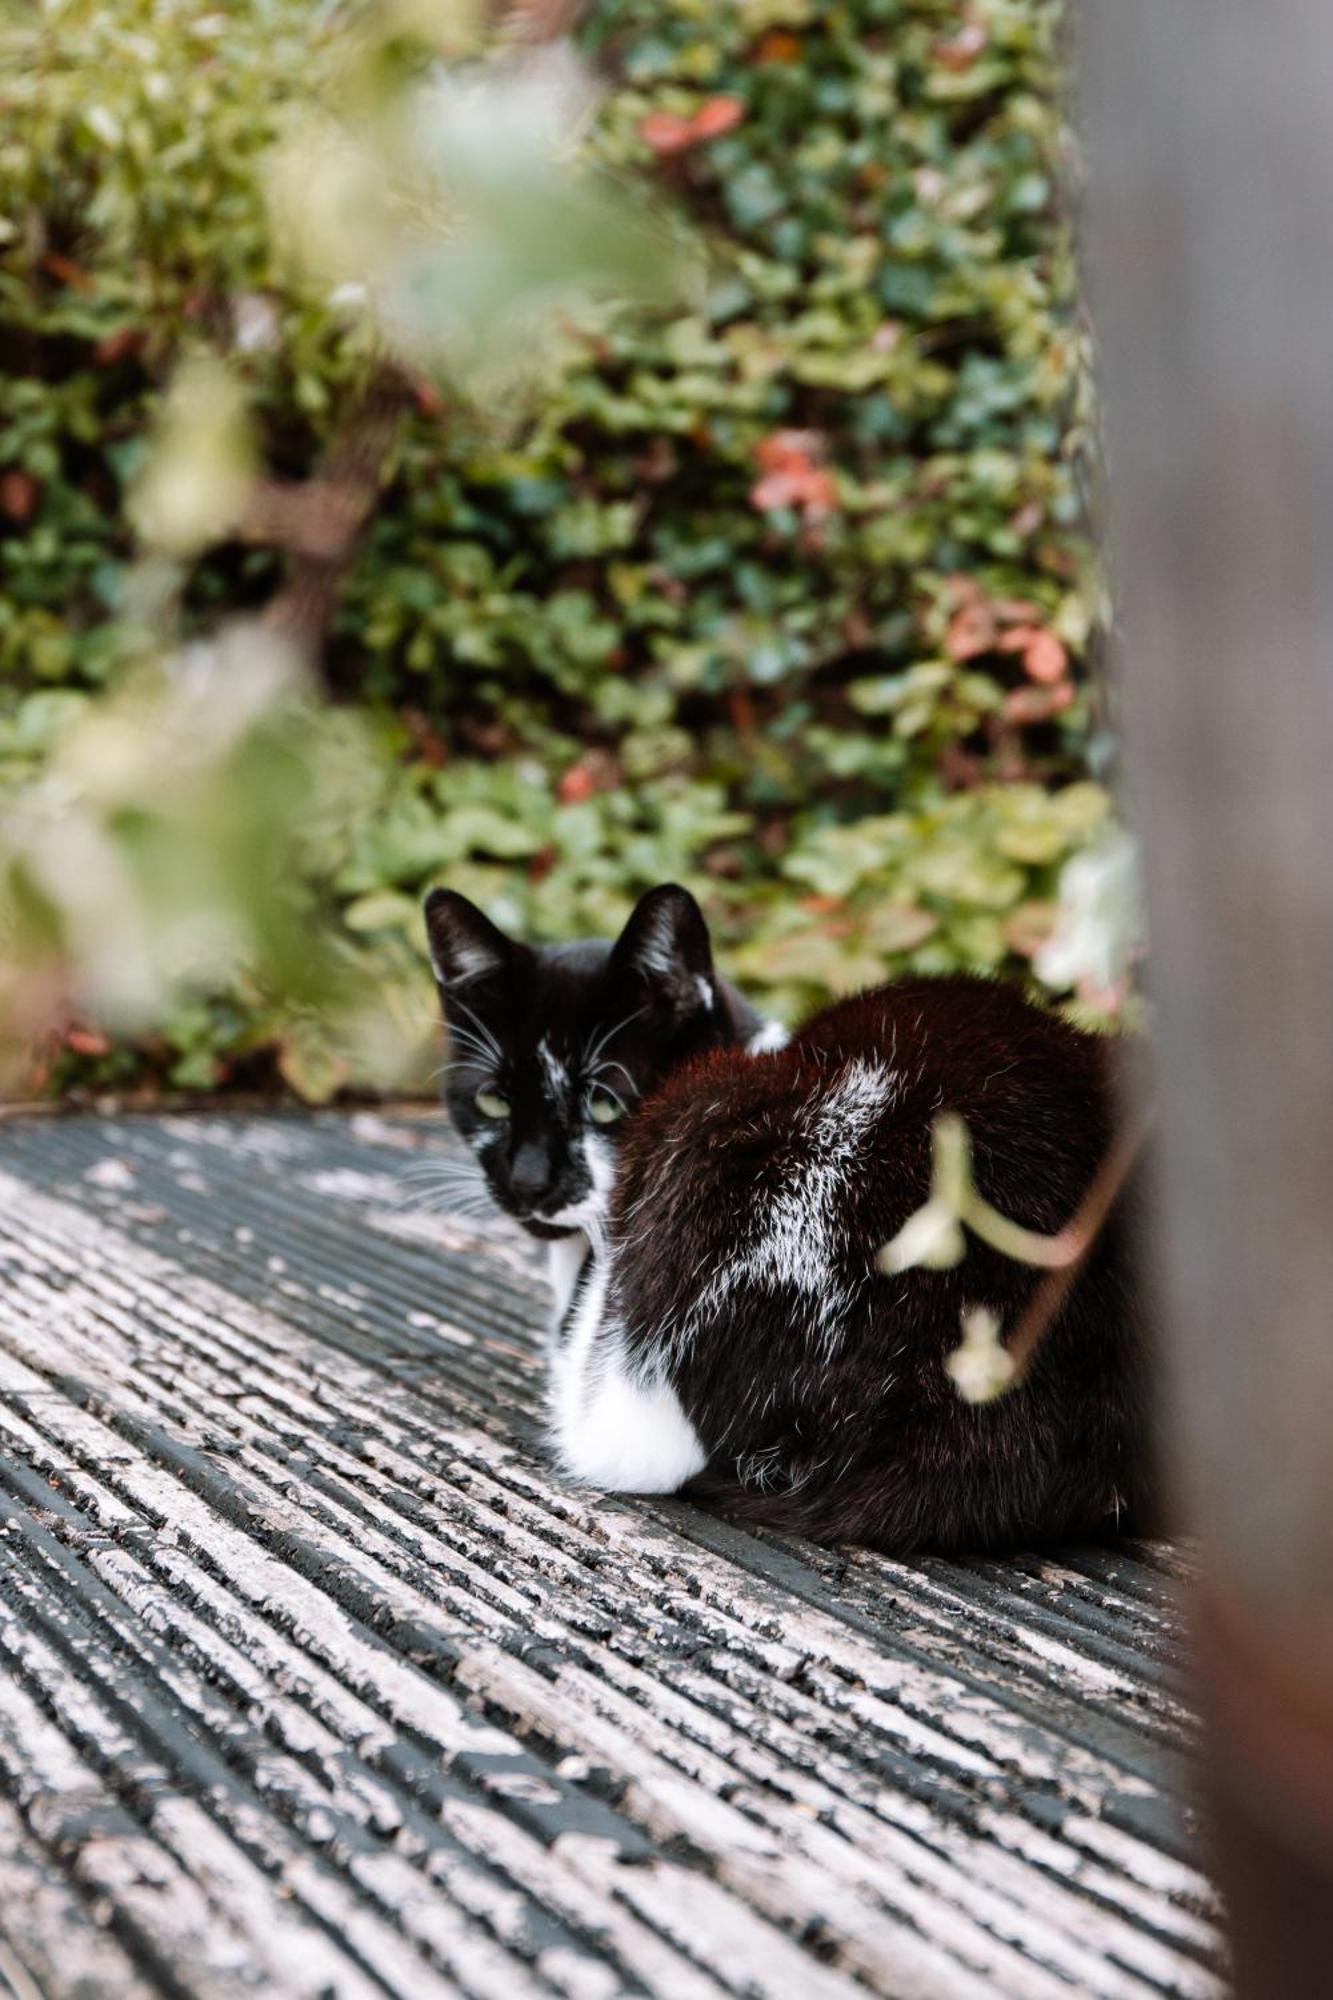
(453, 205)
(193, 487)
(165, 850)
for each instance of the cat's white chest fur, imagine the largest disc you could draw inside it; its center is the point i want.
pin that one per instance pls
(610, 1425)
(564, 1261)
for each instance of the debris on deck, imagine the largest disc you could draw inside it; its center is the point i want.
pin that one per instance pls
(315, 1682)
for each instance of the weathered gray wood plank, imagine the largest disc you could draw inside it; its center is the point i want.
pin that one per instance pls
(353, 1697)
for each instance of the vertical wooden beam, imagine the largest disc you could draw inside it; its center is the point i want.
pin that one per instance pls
(1210, 127)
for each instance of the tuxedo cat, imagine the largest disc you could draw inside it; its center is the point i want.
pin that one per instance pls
(736, 1338)
(551, 1046)
(729, 1332)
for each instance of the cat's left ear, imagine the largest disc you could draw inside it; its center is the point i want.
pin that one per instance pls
(665, 947)
(464, 944)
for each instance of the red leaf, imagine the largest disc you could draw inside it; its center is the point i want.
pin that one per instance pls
(1045, 658)
(717, 115)
(575, 786)
(1037, 704)
(18, 495)
(67, 271)
(791, 476)
(1017, 611)
(116, 346)
(778, 45)
(666, 132)
(962, 50)
(87, 1041)
(971, 630)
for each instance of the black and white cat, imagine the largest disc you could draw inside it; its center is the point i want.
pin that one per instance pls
(729, 1330)
(551, 1046)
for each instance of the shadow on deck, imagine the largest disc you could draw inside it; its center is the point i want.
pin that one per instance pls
(314, 1682)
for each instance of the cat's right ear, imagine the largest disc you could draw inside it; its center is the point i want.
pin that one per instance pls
(464, 944)
(664, 947)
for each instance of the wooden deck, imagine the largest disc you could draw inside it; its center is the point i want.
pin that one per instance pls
(314, 1682)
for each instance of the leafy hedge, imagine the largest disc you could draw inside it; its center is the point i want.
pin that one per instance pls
(787, 596)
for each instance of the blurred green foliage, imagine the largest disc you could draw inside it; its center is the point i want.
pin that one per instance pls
(787, 596)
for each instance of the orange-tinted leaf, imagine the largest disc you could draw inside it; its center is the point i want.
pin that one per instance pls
(116, 346)
(87, 1041)
(786, 451)
(970, 631)
(778, 45)
(575, 786)
(1017, 610)
(1027, 928)
(666, 132)
(717, 115)
(791, 476)
(1037, 704)
(960, 51)
(1045, 658)
(67, 271)
(18, 495)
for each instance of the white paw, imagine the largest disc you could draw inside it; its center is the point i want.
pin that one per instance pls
(609, 1426)
(630, 1437)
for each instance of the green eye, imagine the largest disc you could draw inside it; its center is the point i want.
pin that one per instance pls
(605, 1110)
(491, 1105)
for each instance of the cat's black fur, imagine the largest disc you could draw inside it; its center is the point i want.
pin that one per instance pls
(547, 1028)
(819, 1393)
(729, 1330)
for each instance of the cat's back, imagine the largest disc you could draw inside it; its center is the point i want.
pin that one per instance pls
(832, 1132)
(753, 1197)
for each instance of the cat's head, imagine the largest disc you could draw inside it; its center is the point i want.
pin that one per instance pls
(552, 1046)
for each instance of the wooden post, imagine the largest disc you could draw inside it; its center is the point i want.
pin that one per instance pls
(1211, 236)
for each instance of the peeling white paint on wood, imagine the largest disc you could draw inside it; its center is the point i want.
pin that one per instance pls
(346, 1685)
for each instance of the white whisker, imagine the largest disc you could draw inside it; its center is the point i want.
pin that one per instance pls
(590, 1055)
(599, 1069)
(479, 1032)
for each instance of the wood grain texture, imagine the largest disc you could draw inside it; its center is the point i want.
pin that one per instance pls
(313, 1680)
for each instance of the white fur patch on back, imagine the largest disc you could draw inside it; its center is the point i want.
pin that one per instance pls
(610, 1426)
(791, 1240)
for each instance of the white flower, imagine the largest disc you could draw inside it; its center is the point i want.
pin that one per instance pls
(1099, 928)
(932, 1237)
(254, 323)
(493, 122)
(981, 1368)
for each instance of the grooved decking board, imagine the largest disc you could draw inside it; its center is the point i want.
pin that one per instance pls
(314, 1682)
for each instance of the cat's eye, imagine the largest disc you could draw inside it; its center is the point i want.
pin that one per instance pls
(491, 1104)
(604, 1110)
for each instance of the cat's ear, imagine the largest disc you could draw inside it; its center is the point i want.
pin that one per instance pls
(464, 943)
(665, 947)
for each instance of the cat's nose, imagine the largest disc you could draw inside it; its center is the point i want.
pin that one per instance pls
(530, 1171)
